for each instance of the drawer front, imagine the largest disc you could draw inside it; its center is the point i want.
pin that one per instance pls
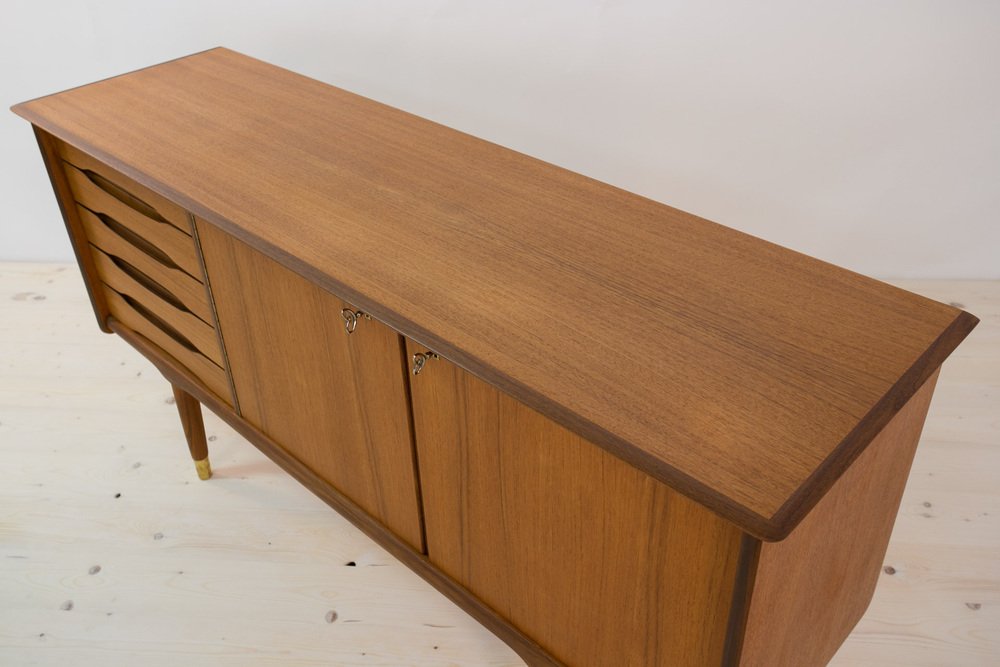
(123, 188)
(137, 317)
(171, 241)
(126, 279)
(147, 265)
(110, 236)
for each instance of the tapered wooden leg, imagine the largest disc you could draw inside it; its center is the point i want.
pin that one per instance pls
(189, 409)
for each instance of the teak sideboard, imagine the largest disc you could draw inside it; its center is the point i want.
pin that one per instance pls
(613, 432)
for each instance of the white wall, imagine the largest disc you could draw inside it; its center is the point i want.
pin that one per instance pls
(864, 133)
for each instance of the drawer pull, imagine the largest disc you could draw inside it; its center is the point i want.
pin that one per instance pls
(181, 284)
(154, 319)
(123, 195)
(420, 360)
(135, 323)
(351, 318)
(136, 240)
(147, 282)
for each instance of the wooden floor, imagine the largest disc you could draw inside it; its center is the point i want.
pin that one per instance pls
(113, 553)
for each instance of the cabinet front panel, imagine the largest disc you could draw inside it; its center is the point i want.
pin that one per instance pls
(596, 561)
(336, 401)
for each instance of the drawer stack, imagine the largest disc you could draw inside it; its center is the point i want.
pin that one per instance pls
(148, 264)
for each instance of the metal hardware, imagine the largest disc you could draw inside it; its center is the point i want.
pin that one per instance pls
(420, 360)
(204, 468)
(351, 318)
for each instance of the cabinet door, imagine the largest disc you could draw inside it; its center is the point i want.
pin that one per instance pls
(596, 561)
(335, 401)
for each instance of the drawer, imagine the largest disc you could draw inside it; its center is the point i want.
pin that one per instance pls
(123, 189)
(142, 320)
(147, 265)
(128, 280)
(119, 241)
(173, 242)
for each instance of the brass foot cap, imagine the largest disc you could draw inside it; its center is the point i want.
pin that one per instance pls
(204, 468)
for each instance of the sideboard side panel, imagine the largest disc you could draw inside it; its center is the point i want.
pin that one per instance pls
(594, 560)
(71, 218)
(335, 401)
(812, 588)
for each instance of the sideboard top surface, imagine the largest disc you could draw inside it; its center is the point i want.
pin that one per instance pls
(746, 375)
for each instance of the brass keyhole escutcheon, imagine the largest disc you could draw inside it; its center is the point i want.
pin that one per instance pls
(420, 360)
(351, 318)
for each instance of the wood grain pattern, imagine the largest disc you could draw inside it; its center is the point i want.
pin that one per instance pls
(337, 402)
(215, 316)
(744, 375)
(170, 309)
(182, 285)
(811, 589)
(598, 562)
